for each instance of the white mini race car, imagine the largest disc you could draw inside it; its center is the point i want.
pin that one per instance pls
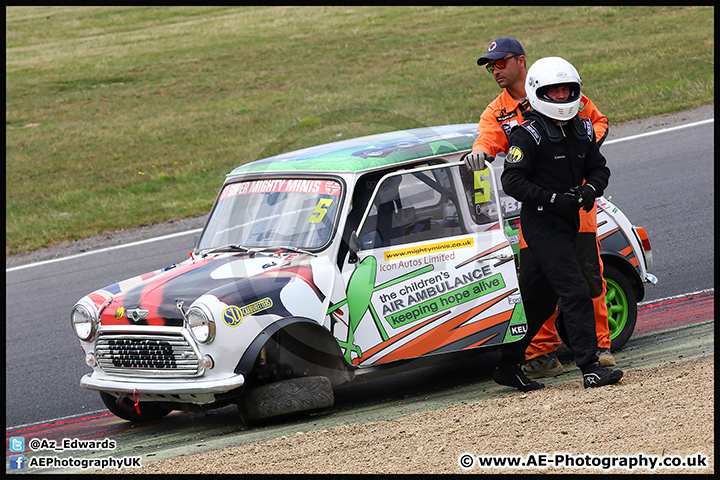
(316, 264)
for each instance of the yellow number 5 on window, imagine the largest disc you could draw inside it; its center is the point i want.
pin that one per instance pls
(481, 180)
(320, 210)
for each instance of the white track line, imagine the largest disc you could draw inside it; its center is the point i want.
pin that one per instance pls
(101, 250)
(675, 297)
(658, 132)
(197, 230)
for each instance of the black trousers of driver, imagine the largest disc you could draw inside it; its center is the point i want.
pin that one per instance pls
(549, 158)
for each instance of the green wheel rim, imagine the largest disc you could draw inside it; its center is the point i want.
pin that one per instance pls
(617, 305)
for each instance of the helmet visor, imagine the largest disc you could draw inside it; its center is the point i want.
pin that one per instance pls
(573, 93)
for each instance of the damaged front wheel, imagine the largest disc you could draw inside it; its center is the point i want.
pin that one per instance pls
(288, 396)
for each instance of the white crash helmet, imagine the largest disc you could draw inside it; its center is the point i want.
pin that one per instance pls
(551, 72)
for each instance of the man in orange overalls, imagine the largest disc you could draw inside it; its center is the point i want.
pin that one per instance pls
(505, 59)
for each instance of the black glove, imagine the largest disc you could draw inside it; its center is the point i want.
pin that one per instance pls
(564, 203)
(585, 195)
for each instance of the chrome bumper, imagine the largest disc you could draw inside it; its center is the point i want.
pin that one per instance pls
(169, 387)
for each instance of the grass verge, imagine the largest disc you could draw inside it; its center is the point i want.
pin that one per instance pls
(124, 116)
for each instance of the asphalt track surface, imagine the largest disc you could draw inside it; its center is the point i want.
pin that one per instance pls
(660, 181)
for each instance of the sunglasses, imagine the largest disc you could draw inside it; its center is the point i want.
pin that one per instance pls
(501, 63)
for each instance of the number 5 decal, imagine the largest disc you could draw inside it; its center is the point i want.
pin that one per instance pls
(481, 181)
(320, 210)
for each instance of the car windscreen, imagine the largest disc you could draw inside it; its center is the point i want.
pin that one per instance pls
(274, 212)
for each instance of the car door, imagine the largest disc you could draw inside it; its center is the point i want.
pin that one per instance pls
(434, 273)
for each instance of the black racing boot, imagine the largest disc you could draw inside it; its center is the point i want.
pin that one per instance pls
(595, 375)
(513, 376)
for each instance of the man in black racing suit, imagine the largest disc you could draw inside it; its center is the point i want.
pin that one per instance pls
(554, 167)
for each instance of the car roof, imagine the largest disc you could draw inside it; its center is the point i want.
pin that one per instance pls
(372, 151)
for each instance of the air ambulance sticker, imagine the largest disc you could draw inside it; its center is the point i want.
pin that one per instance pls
(514, 155)
(119, 313)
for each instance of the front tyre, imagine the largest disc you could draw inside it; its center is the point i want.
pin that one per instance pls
(622, 307)
(148, 411)
(288, 396)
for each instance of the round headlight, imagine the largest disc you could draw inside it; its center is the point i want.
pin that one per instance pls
(83, 321)
(201, 325)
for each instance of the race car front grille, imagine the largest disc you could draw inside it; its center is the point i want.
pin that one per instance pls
(147, 355)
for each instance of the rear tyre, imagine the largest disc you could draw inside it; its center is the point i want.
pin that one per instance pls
(622, 307)
(148, 411)
(288, 396)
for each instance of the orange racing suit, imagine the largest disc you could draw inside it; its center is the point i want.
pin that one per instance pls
(494, 128)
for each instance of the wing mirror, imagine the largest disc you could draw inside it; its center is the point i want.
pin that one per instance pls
(355, 245)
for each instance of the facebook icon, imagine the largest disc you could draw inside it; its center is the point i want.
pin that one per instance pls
(17, 462)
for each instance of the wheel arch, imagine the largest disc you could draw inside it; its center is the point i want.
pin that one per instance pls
(627, 269)
(314, 350)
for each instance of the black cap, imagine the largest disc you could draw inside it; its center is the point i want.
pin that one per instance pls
(499, 48)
